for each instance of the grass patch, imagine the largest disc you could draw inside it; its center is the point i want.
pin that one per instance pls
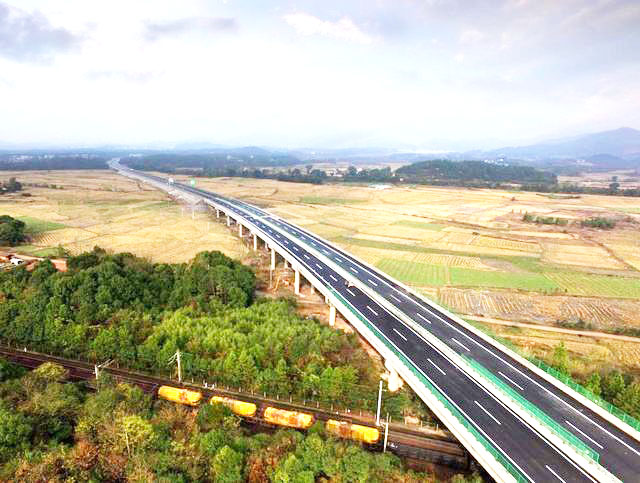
(414, 273)
(384, 245)
(327, 200)
(36, 225)
(534, 282)
(597, 285)
(40, 251)
(419, 224)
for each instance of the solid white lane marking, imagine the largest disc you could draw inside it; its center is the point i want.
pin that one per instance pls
(423, 317)
(352, 294)
(333, 278)
(395, 298)
(318, 266)
(400, 334)
(376, 313)
(487, 412)
(434, 365)
(460, 344)
(586, 436)
(511, 380)
(372, 282)
(353, 269)
(554, 473)
(542, 387)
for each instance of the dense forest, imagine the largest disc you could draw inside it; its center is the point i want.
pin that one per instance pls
(472, 171)
(138, 313)
(10, 186)
(43, 163)
(11, 231)
(55, 430)
(209, 162)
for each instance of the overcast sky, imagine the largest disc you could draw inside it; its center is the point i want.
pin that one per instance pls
(430, 74)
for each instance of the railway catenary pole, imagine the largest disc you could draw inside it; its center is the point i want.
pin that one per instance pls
(379, 404)
(386, 436)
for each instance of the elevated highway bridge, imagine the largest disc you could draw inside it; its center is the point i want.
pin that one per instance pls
(520, 423)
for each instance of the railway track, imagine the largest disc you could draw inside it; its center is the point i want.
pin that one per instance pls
(434, 447)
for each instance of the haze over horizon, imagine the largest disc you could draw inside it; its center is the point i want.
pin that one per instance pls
(431, 75)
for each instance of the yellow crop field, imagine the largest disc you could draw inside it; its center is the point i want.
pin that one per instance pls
(583, 255)
(105, 209)
(506, 305)
(588, 355)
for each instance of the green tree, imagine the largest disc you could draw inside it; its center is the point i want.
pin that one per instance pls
(227, 466)
(629, 399)
(593, 384)
(613, 385)
(560, 358)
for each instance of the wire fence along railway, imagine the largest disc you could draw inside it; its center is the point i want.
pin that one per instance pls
(427, 444)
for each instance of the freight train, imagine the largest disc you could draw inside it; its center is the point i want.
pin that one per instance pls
(272, 415)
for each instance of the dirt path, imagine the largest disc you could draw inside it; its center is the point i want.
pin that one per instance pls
(587, 333)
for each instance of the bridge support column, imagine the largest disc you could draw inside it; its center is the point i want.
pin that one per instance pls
(255, 242)
(273, 259)
(228, 220)
(217, 213)
(296, 282)
(240, 230)
(286, 263)
(312, 289)
(332, 315)
(394, 380)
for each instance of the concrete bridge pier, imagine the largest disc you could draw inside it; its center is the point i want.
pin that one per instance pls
(312, 289)
(255, 242)
(332, 315)
(273, 259)
(296, 283)
(240, 229)
(217, 213)
(228, 220)
(394, 381)
(286, 263)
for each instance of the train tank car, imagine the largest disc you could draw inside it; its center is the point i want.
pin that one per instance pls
(356, 432)
(241, 408)
(292, 419)
(179, 395)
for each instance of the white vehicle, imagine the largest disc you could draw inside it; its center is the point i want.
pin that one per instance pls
(17, 261)
(170, 180)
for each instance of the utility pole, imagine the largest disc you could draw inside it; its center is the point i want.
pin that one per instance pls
(379, 404)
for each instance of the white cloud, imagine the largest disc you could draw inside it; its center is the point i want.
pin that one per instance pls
(471, 36)
(343, 29)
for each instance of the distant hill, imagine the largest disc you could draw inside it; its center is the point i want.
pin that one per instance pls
(473, 171)
(616, 149)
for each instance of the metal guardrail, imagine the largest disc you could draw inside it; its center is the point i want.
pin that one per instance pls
(541, 416)
(513, 471)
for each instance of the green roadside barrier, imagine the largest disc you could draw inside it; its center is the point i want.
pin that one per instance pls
(513, 471)
(565, 379)
(532, 409)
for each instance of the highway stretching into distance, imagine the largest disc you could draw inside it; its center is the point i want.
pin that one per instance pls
(403, 316)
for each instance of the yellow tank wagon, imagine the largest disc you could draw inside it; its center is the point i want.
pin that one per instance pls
(181, 396)
(241, 408)
(356, 432)
(292, 419)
